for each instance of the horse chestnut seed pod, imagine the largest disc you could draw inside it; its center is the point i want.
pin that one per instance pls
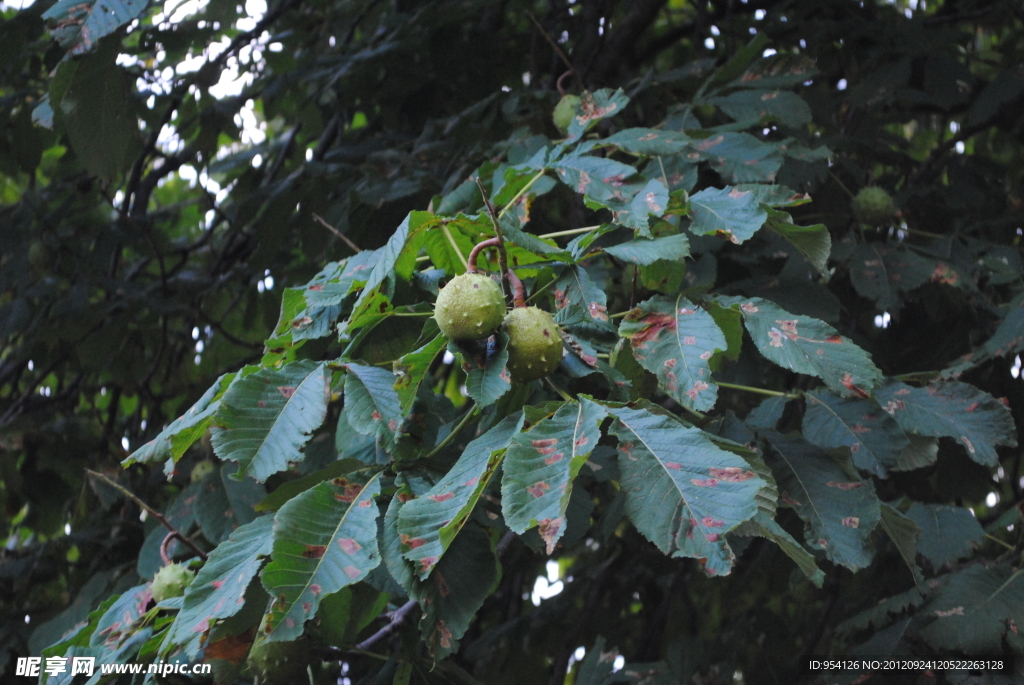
(534, 344)
(470, 307)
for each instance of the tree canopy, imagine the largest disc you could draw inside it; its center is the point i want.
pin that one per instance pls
(779, 244)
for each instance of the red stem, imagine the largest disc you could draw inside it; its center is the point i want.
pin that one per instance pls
(518, 292)
(477, 249)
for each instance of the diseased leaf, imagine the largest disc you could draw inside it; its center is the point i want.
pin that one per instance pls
(487, 377)
(577, 295)
(324, 540)
(807, 345)
(682, 492)
(777, 71)
(219, 587)
(874, 439)
(428, 524)
(597, 178)
(732, 213)
(541, 465)
(884, 274)
(948, 533)
(972, 417)
(975, 608)
(652, 199)
(644, 251)
(765, 106)
(398, 257)
(674, 339)
(648, 141)
(839, 511)
(372, 406)
(739, 157)
(265, 418)
(593, 107)
(78, 25)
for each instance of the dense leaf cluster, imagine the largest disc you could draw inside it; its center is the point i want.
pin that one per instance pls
(774, 431)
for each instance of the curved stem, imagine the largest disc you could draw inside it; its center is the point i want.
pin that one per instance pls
(518, 292)
(455, 431)
(475, 254)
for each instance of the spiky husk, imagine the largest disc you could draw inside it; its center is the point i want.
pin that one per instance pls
(470, 307)
(171, 581)
(873, 206)
(534, 344)
(280, 663)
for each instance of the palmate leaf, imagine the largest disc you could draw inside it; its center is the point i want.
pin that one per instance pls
(220, 585)
(975, 609)
(952, 409)
(487, 377)
(740, 157)
(540, 467)
(577, 294)
(265, 418)
(647, 251)
(674, 339)
(397, 257)
(470, 567)
(593, 107)
(903, 532)
(734, 214)
(948, 533)
(598, 179)
(682, 492)
(873, 437)
(324, 540)
(372, 406)
(839, 511)
(648, 141)
(813, 242)
(429, 523)
(764, 526)
(180, 434)
(884, 274)
(807, 345)
(411, 368)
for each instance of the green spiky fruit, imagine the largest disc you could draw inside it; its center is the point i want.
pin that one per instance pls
(202, 470)
(873, 206)
(565, 110)
(470, 307)
(534, 344)
(280, 662)
(171, 581)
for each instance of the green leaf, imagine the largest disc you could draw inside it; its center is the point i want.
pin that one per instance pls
(777, 71)
(972, 417)
(764, 526)
(78, 25)
(410, 369)
(265, 418)
(428, 524)
(774, 195)
(224, 502)
(807, 345)
(180, 434)
(487, 378)
(648, 141)
(647, 251)
(813, 242)
(874, 439)
(324, 540)
(598, 178)
(398, 257)
(921, 452)
(512, 233)
(839, 511)
(286, 491)
(740, 157)
(740, 60)
(884, 274)
(734, 214)
(975, 609)
(652, 199)
(674, 339)
(948, 533)
(372, 406)
(903, 532)
(338, 280)
(217, 589)
(541, 465)
(593, 107)
(765, 106)
(682, 492)
(98, 113)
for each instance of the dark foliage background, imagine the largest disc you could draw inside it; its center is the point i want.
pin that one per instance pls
(151, 218)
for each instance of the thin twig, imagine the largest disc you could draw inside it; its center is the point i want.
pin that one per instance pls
(455, 432)
(558, 50)
(397, 619)
(337, 233)
(150, 510)
(759, 391)
(518, 292)
(502, 255)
